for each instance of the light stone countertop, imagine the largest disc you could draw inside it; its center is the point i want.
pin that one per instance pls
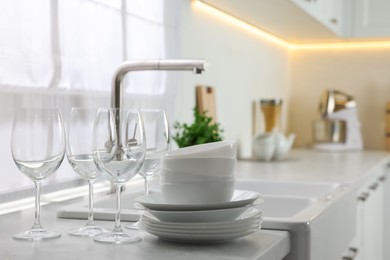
(351, 168)
(264, 244)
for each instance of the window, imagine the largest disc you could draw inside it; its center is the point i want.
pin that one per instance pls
(64, 53)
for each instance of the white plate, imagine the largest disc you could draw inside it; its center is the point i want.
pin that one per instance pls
(199, 238)
(199, 215)
(240, 198)
(248, 217)
(204, 231)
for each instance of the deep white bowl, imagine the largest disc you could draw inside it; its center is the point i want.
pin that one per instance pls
(172, 176)
(222, 149)
(198, 192)
(217, 167)
(199, 216)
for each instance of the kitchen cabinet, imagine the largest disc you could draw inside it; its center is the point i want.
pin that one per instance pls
(371, 18)
(351, 19)
(314, 20)
(370, 234)
(386, 212)
(333, 14)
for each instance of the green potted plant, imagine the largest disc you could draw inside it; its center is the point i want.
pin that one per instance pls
(201, 131)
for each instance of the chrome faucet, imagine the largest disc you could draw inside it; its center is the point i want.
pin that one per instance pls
(197, 66)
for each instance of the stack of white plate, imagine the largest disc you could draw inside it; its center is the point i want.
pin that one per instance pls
(201, 223)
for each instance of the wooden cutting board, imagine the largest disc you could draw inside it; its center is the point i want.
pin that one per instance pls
(205, 101)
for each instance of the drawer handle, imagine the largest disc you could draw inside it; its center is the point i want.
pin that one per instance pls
(364, 196)
(374, 186)
(382, 178)
(352, 253)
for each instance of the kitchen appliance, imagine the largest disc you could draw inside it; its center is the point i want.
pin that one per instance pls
(266, 115)
(339, 126)
(271, 109)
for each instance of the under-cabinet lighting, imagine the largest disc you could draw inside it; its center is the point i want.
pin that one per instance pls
(215, 12)
(238, 23)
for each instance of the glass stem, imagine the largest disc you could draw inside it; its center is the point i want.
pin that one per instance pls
(146, 186)
(37, 220)
(90, 205)
(118, 227)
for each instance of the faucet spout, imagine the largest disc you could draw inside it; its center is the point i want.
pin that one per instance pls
(197, 66)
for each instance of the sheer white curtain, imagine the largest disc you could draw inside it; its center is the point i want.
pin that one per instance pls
(64, 52)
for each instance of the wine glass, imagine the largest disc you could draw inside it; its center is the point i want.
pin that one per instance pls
(38, 148)
(119, 151)
(79, 154)
(157, 134)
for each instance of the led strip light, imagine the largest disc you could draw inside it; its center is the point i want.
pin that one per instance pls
(201, 6)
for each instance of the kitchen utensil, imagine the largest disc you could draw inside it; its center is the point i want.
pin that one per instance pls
(271, 109)
(283, 145)
(339, 128)
(330, 131)
(157, 139)
(240, 198)
(218, 167)
(79, 154)
(334, 100)
(119, 150)
(198, 192)
(264, 146)
(213, 215)
(199, 232)
(205, 101)
(38, 148)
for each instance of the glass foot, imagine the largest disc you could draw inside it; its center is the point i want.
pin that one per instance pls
(117, 238)
(88, 231)
(37, 234)
(134, 226)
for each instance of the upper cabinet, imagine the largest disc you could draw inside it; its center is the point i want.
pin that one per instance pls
(313, 20)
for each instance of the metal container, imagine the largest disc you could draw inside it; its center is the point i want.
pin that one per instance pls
(271, 109)
(329, 131)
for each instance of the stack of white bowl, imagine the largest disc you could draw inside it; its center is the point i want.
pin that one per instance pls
(199, 174)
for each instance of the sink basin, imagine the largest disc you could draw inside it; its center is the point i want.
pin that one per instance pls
(319, 216)
(283, 207)
(288, 188)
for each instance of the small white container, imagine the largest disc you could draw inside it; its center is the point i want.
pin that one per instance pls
(264, 146)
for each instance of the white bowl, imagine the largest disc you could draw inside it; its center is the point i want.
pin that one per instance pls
(218, 167)
(198, 192)
(199, 216)
(223, 149)
(172, 176)
(264, 146)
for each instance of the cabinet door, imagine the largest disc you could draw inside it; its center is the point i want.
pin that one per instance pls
(373, 223)
(372, 18)
(370, 223)
(386, 214)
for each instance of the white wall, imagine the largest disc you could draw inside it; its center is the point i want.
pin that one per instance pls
(243, 68)
(362, 73)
